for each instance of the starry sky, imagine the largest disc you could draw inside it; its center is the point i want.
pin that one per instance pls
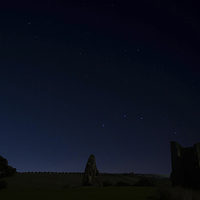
(119, 80)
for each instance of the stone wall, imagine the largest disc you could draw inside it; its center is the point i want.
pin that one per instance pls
(185, 166)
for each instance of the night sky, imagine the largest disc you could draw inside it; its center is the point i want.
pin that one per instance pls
(116, 79)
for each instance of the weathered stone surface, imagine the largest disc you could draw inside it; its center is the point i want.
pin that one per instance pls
(185, 166)
(91, 175)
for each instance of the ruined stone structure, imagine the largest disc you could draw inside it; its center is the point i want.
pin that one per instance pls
(185, 166)
(91, 175)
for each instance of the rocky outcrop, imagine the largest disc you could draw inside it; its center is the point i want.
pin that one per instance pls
(185, 166)
(91, 174)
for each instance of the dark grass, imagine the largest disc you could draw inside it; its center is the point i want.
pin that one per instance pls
(46, 180)
(98, 193)
(68, 186)
(58, 180)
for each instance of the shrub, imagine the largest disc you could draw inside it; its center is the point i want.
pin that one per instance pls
(66, 186)
(120, 183)
(146, 182)
(5, 171)
(3, 185)
(107, 183)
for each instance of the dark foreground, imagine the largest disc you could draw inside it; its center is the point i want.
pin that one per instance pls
(60, 186)
(68, 186)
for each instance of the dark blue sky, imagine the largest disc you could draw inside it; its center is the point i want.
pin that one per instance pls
(117, 80)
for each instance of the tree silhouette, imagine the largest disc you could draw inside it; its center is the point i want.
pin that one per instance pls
(5, 171)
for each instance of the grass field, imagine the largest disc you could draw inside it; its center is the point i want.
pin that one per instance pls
(50, 186)
(101, 193)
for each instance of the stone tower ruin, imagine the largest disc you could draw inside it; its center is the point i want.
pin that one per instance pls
(185, 166)
(91, 174)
